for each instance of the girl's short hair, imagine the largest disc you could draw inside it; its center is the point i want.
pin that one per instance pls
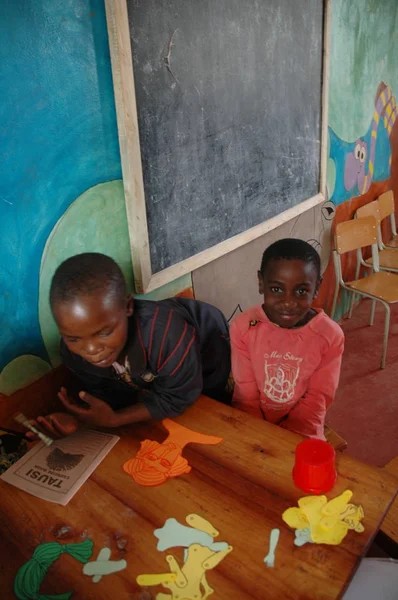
(291, 249)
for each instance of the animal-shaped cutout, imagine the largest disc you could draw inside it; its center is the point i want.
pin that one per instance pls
(155, 463)
(189, 581)
(103, 565)
(175, 535)
(322, 521)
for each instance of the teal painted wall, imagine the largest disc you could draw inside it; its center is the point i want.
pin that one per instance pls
(58, 138)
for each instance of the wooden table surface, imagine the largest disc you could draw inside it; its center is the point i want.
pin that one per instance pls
(242, 486)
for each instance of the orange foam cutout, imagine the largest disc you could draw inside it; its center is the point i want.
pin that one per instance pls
(155, 463)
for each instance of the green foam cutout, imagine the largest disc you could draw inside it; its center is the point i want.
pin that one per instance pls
(30, 576)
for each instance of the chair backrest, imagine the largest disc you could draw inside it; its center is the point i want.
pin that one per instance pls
(356, 234)
(386, 205)
(371, 209)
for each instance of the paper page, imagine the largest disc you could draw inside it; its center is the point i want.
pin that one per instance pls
(56, 472)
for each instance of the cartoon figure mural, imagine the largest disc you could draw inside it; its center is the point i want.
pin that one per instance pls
(362, 172)
(368, 158)
(355, 163)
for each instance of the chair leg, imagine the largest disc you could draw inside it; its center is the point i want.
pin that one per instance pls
(334, 303)
(354, 296)
(385, 337)
(352, 299)
(372, 312)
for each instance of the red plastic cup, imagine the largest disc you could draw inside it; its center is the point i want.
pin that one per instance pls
(314, 470)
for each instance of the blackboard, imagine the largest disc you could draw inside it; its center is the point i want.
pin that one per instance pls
(229, 108)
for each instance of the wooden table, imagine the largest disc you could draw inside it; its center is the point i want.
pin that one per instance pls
(242, 486)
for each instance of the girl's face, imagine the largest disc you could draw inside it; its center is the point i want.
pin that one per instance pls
(289, 287)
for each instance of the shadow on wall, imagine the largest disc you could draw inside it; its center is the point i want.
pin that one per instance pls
(95, 222)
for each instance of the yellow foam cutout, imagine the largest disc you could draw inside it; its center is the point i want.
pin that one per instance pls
(202, 524)
(329, 521)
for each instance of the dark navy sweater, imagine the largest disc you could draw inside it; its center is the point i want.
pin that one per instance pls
(176, 350)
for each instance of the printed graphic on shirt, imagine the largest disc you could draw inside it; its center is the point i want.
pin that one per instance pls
(281, 377)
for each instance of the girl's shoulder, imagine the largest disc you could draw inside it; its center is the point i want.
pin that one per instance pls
(248, 320)
(323, 325)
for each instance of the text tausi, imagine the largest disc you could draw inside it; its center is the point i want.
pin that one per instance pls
(52, 481)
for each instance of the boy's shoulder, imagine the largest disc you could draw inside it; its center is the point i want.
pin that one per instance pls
(323, 325)
(195, 312)
(247, 320)
(157, 313)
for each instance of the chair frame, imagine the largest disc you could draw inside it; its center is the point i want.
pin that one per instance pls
(380, 242)
(393, 224)
(340, 283)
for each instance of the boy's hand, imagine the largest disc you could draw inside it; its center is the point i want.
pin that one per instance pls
(97, 412)
(56, 425)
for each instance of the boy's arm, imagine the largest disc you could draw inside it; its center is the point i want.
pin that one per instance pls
(307, 417)
(246, 394)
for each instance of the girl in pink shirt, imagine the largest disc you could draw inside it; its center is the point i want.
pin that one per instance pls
(286, 356)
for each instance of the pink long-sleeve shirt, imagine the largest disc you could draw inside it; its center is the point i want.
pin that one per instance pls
(286, 376)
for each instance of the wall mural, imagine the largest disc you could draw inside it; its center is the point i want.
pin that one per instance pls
(362, 172)
(368, 158)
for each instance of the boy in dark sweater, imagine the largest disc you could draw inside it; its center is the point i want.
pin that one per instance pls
(134, 360)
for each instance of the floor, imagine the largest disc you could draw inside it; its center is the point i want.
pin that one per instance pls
(365, 410)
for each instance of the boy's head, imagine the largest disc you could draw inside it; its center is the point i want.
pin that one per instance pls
(289, 279)
(90, 305)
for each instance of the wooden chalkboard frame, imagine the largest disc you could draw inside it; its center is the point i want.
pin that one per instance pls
(126, 109)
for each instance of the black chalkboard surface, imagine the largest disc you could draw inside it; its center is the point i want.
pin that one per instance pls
(228, 99)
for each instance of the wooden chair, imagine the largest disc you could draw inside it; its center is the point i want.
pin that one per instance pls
(387, 209)
(388, 257)
(380, 286)
(335, 439)
(390, 524)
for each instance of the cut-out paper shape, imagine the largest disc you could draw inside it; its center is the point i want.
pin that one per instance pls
(173, 534)
(155, 463)
(103, 565)
(202, 524)
(295, 518)
(353, 516)
(338, 504)
(150, 580)
(303, 536)
(30, 576)
(273, 542)
(189, 581)
(327, 521)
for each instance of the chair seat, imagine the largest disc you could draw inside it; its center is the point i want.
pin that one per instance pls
(390, 523)
(381, 285)
(335, 439)
(388, 259)
(393, 242)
